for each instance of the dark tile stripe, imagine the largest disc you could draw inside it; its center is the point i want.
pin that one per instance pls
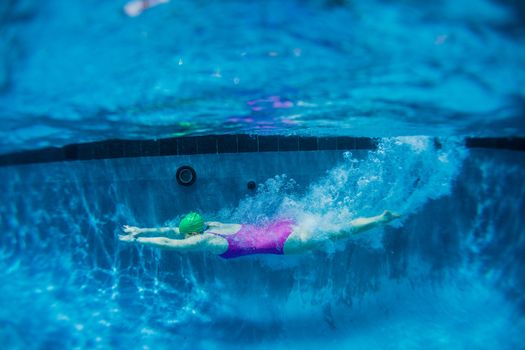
(345, 143)
(227, 144)
(206, 144)
(150, 148)
(247, 143)
(268, 143)
(510, 143)
(187, 145)
(213, 144)
(168, 147)
(308, 144)
(70, 152)
(288, 143)
(84, 151)
(327, 143)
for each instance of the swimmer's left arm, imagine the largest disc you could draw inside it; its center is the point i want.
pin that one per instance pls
(193, 243)
(213, 223)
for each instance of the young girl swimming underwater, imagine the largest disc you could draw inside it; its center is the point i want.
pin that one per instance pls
(281, 236)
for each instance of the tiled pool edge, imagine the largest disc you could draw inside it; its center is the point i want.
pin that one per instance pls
(217, 144)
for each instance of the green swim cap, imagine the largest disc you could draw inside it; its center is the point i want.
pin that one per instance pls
(192, 222)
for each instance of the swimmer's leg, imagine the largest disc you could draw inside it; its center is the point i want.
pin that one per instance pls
(299, 242)
(361, 225)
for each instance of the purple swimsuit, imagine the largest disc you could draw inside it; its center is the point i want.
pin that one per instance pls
(251, 239)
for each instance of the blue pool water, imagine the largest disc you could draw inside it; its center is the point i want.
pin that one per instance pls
(83, 71)
(447, 275)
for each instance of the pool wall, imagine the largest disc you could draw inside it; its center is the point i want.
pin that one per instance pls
(60, 222)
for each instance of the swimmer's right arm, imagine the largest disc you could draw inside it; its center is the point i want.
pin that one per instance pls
(136, 231)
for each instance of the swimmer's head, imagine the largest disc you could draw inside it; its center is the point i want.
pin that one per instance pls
(192, 223)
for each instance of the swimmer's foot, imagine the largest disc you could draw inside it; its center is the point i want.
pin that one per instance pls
(136, 7)
(388, 216)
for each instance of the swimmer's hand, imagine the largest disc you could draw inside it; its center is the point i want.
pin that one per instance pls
(388, 216)
(127, 238)
(132, 230)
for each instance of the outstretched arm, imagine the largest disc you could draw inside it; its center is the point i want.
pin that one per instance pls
(194, 243)
(136, 231)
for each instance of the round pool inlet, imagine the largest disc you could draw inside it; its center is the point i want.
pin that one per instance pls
(186, 175)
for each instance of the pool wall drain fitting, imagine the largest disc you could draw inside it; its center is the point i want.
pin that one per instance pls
(186, 175)
(217, 144)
